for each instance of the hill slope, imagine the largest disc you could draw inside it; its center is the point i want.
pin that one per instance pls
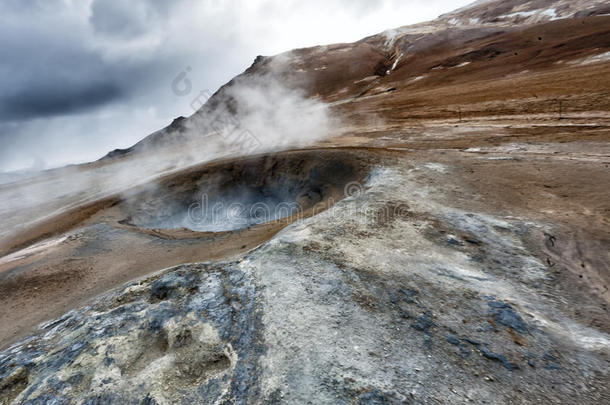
(418, 217)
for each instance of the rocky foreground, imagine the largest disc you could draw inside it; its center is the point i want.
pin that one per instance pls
(452, 246)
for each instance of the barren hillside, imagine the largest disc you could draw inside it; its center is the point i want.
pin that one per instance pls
(438, 231)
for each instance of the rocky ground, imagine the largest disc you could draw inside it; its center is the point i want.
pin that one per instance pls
(453, 246)
(396, 294)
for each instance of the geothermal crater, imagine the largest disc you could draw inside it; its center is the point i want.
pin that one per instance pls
(235, 195)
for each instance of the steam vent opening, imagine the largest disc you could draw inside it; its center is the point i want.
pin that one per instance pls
(238, 194)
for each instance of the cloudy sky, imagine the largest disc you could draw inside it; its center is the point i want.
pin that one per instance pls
(79, 78)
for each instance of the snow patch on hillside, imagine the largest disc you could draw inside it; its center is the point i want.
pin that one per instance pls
(603, 57)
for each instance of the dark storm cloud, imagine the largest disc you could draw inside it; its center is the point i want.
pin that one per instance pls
(57, 98)
(43, 76)
(52, 67)
(59, 81)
